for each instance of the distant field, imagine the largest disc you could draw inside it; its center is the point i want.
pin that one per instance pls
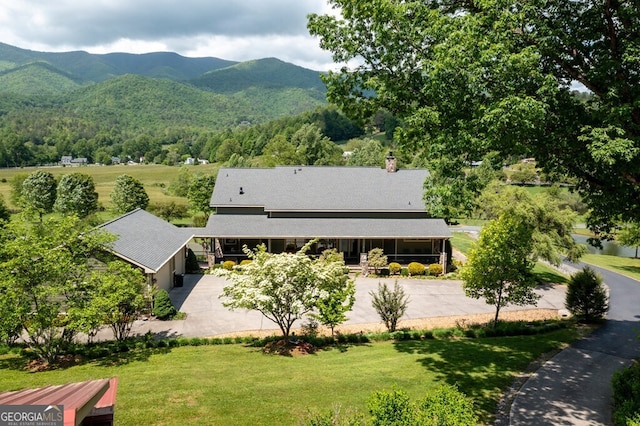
(152, 176)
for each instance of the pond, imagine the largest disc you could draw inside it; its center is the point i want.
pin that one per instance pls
(610, 248)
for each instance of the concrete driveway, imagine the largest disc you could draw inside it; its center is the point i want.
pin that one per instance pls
(206, 316)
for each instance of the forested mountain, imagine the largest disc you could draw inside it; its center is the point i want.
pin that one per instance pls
(88, 67)
(87, 105)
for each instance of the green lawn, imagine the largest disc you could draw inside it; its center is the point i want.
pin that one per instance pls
(152, 176)
(623, 265)
(463, 242)
(233, 384)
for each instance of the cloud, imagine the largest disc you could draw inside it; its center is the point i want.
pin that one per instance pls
(235, 30)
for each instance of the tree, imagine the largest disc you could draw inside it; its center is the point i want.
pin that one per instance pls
(76, 194)
(339, 293)
(115, 298)
(179, 185)
(199, 193)
(281, 152)
(314, 148)
(43, 272)
(390, 304)
(169, 210)
(466, 78)
(128, 194)
(283, 287)
(377, 259)
(499, 265)
(586, 297)
(371, 153)
(16, 189)
(629, 235)
(551, 225)
(39, 192)
(5, 214)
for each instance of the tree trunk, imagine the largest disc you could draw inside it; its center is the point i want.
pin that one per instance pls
(495, 320)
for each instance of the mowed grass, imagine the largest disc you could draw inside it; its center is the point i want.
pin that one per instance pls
(627, 266)
(234, 384)
(152, 176)
(544, 273)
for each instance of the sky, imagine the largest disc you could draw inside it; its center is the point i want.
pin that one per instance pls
(236, 30)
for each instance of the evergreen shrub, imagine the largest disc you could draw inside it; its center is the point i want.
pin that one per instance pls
(394, 268)
(435, 269)
(416, 268)
(162, 307)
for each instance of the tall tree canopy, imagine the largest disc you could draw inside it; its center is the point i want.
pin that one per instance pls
(76, 194)
(128, 194)
(467, 77)
(39, 192)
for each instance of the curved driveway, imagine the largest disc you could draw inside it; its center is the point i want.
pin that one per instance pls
(574, 387)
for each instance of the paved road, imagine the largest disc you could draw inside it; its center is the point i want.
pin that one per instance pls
(574, 387)
(428, 298)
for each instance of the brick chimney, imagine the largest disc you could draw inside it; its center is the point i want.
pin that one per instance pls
(390, 163)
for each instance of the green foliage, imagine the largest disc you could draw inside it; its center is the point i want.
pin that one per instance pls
(435, 269)
(626, 396)
(228, 265)
(479, 81)
(5, 214)
(629, 235)
(76, 194)
(377, 259)
(43, 272)
(499, 265)
(394, 268)
(16, 188)
(286, 286)
(199, 193)
(390, 304)
(586, 297)
(191, 263)
(445, 406)
(39, 192)
(128, 194)
(371, 154)
(180, 184)
(169, 211)
(162, 306)
(524, 173)
(416, 269)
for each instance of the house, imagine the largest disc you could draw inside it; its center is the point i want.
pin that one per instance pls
(68, 160)
(151, 244)
(352, 209)
(65, 160)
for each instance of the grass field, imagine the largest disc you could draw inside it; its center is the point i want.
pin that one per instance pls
(627, 266)
(152, 176)
(234, 384)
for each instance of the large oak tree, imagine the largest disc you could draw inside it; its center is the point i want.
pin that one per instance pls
(472, 76)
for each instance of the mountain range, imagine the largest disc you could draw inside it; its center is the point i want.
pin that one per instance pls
(256, 91)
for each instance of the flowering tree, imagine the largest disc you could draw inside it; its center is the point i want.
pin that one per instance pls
(283, 287)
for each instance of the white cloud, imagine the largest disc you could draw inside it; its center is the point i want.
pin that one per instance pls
(235, 30)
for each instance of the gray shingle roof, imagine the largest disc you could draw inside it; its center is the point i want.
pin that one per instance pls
(251, 226)
(309, 188)
(145, 239)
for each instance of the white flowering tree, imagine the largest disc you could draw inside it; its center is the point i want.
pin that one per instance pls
(281, 286)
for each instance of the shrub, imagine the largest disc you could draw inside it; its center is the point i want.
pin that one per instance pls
(626, 395)
(384, 272)
(394, 268)
(447, 406)
(404, 272)
(228, 265)
(245, 262)
(416, 268)
(390, 304)
(377, 259)
(435, 269)
(191, 264)
(586, 297)
(162, 307)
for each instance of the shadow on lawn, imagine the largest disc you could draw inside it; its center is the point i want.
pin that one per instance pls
(481, 368)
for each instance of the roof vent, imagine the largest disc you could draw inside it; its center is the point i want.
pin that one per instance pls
(241, 191)
(391, 163)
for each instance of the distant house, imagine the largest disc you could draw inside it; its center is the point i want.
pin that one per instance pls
(68, 160)
(151, 244)
(190, 161)
(115, 160)
(352, 209)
